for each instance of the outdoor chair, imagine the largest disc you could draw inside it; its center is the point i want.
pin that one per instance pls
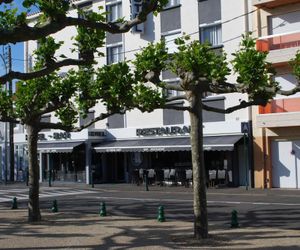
(212, 176)
(151, 175)
(221, 176)
(166, 175)
(189, 176)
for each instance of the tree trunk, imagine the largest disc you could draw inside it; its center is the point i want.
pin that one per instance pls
(34, 175)
(199, 172)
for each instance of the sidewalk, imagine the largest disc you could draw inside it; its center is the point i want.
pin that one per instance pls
(89, 231)
(76, 229)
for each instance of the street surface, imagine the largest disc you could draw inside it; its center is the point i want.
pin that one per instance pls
(256, 208)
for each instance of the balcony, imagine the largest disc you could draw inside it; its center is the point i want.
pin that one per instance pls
(281, 106)
(280, 113)
(282, 48)
(272, 3)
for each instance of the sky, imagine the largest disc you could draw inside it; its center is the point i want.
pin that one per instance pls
(17, 49)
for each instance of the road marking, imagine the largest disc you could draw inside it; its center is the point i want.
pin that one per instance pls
(43, 194)
(188, 200)
(4, 199)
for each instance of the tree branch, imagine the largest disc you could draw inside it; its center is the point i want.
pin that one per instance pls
(6, 1)
(224, 87)
(9, 119)
(47, 70)
(242, 105)
(24, 32)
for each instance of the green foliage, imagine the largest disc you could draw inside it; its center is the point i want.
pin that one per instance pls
(34, 96)
(45, 53)
(50, 8)
(200, 60)
(153, 58)
(9, 18)
(114, 86)
(119, 90)
(295, 63)
(254, 72)
(160, 6)
(147, 98)
(89, 40)
(86, 88)
(6, 104)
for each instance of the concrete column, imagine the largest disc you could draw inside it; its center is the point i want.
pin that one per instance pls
(88, 160)
(41, 167)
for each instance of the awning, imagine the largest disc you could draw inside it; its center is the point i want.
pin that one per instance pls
(58, 147)
(213, 143)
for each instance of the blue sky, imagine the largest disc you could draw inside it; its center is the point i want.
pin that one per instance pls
(17, 50)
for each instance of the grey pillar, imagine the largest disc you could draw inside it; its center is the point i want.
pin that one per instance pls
(41, 167)
(88, 160)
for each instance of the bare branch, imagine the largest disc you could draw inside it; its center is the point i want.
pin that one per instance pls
(9, 119)
(242, 105)
(6, 1)
(24, 32)
(224, 87)
(47, 70)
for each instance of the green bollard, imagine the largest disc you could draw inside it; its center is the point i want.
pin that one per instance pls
(161, 214)
(102, 212)
(14, 203)
(54, 207)
(234, 219)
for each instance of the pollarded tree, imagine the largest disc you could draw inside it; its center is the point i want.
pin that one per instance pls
(69, 96)
(201, 70)
(54, 16)
(44, 91)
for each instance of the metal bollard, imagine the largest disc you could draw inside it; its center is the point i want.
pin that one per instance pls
(234, 219)
(54, 207)
(14, 203)
(102, 212)
(161, 214)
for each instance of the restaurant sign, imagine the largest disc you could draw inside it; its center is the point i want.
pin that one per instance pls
(173, 130)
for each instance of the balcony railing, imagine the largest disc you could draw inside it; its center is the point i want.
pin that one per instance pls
(276, 42)
(281, 106)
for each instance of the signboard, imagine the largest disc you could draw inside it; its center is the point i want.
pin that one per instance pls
(163, 131)
(136, 7)
(245, 127)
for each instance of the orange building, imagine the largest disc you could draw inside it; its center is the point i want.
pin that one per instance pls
(276, 127)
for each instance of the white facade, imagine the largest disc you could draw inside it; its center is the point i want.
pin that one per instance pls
(229, 19)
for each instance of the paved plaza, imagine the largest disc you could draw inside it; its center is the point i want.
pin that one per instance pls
(269, 219)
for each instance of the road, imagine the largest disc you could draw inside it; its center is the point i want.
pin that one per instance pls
(257, 208)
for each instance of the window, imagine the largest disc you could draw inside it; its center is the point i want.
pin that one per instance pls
(114, 54)
(46, 119)
(114, 11)
(86, 8)
(170, 92)
(211, 34)
(170, 41)
(90, 116)
(172, 3)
